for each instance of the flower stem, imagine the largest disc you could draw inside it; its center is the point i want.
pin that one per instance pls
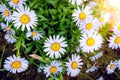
(2, 55)
(117, 75)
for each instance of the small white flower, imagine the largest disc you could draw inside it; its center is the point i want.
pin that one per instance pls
(91, 42)
(15, 64)
(74, 65)
(16, 3)
(104, 18)
(7, 29)
(5, 12)
(36, 35)
(95, 57)
(111, 67)
(24, 17)
(76, 2)
(10, 38)
(54, 68)
(91, 25)
(114, 41)
(80, 15)
(92, 69)
(55, 46)
(101, 78)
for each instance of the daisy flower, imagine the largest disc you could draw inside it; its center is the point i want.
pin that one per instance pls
(80, 15)
(101, 78)
(114, 41)
(24, 17)
(74, 65)
(15, 64)
(5, 12)
(116, 28)
(111, 67)
(6, 28)
(77, 2)
(16, 3)
(91, 42)
(104, 18)
(54, 46)
(36, 35)
(95, 57)
(54, 68)
(92, 69)
(10, 38)
(91, 25)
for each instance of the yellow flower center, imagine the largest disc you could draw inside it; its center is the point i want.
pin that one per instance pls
(82, 15)
(90, 42)
(74, 65)
(55, 46)
(10, 36)
(16, 64)
(24, 19)
(34, 33)
(102, 19)
(15, 1)
(119, 27)
(7, 28)
(53, 69)
(117, 40)
(6, 12)
(112, 66)
(89, 26)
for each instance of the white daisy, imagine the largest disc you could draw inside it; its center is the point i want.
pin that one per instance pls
(16, 3)
(111, 67)
(80, 15)
(114, 41)
(101, 78)
(54, 46)
(10, 38)
(7, 29)
(75, 2)
(24, 17)
(104, 18)
(92, 69)
(15, 64)
(74, 65)
(5, 12)
(54, 68)
(91, 42)
(95, 57)
(91, 25)
(116, 28)
(36, 35)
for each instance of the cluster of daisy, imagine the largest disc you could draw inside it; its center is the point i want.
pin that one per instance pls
(91, 40)
(17, 14)
(21, 17)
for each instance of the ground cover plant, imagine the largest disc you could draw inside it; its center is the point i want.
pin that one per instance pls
(59, 40)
